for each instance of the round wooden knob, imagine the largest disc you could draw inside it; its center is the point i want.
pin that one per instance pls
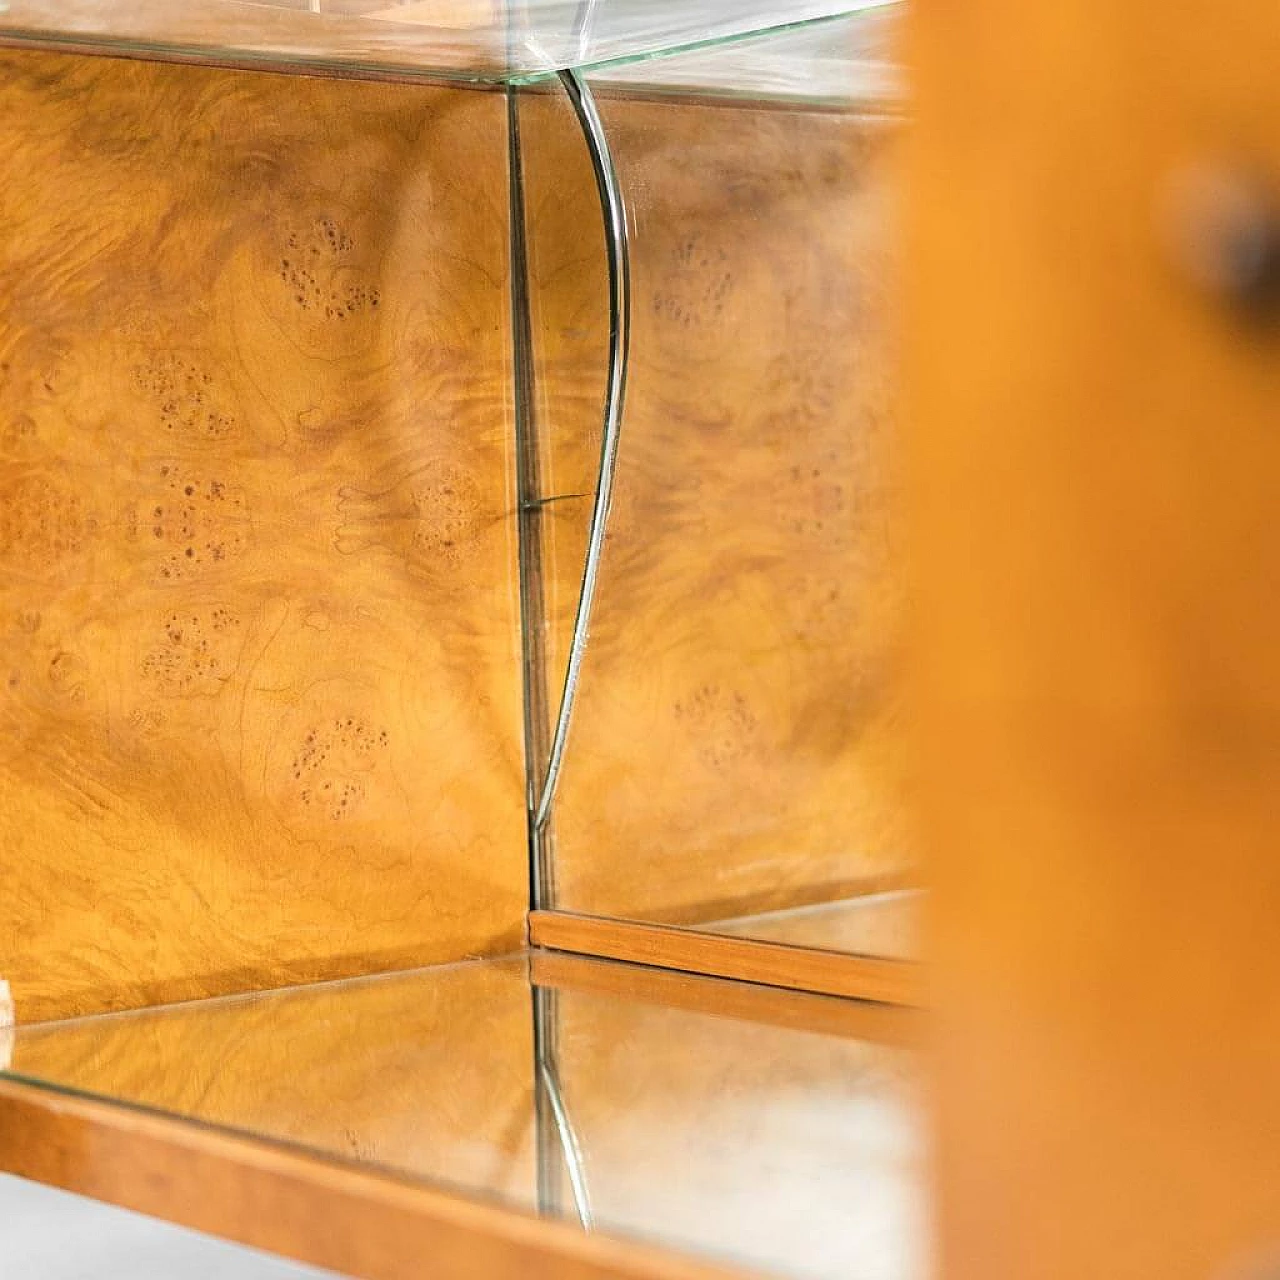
(1223, 227)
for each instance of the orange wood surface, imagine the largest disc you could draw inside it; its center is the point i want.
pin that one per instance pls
(258, 616)
(1096, 445)
(738, 741)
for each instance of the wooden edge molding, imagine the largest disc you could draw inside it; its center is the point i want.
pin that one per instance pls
(771, 964)
(893, 1025)
(317, 1211)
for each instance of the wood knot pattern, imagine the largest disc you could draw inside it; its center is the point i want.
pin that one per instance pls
(186, 395)
(317, 270)
(196, 524)
(427, 520)
(720, 722)
(43, 520)
(196, 654)
(16, 433)
(696, 290)
(334, 766)
(804, 389)
(822, 501)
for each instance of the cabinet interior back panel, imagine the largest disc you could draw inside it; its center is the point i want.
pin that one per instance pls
(259, 635)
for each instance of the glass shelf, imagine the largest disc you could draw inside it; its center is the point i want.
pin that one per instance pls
(484, 41)
(787, 1141)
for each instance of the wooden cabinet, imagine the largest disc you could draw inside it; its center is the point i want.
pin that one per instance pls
(302, 386)
(1095, 448)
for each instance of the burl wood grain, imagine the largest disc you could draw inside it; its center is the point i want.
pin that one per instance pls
(1095, 452)
(427, 1074)
(260, 719)
(737, 744)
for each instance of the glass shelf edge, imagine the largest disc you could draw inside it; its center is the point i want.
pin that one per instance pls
(398, 63)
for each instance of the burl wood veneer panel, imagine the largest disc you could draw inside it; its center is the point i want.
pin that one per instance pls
(260, 719)
(427, 1073)
(738, 740)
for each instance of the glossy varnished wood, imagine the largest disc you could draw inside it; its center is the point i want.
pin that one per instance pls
(1097, 448)
(258, 621)
(737, 744)
(746, 959)
(332, 1215)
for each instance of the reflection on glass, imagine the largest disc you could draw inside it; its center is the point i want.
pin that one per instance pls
(426, 1072)
(874, 924)
(792, 1152)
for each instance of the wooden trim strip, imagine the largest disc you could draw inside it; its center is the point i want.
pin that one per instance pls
(317, 1211)
(894, 1025)
(771, 964)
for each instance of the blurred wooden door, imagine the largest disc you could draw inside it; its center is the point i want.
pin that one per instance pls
(1096, 362)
